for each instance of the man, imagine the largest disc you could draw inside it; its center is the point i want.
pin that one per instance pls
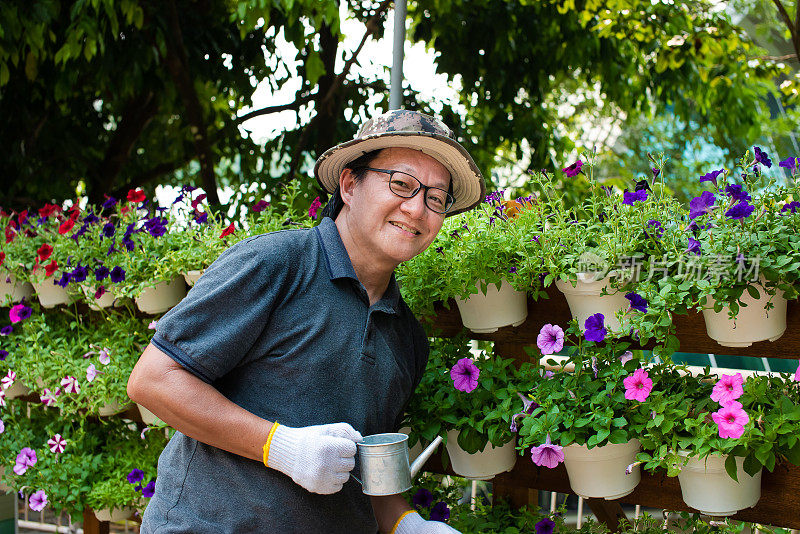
(294, 344)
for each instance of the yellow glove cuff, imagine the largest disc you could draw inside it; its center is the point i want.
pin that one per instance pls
(269, 440)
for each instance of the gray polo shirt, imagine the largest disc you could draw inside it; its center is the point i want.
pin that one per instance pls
(282, 327)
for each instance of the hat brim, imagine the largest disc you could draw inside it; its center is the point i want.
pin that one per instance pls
(468, 184)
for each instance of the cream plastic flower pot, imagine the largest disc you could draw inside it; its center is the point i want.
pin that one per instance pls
(600, 472)
(486, 313)
(192, 276)
(17, 389)
(706, 486)
(50, 295)
(11, 287)
(752, 323)
(114, 514)
(148, 417)
(584, 299)
(163, 296)
(482, 465)
(112, 408)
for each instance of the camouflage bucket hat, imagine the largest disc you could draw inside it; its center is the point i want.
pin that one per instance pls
(408, 129)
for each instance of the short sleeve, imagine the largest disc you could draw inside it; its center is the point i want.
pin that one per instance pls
(212, 330)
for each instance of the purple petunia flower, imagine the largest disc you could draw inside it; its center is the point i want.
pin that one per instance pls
(737, 193)
(440, 511)
(136, 475)
(422, 498)
(156, 226)
(656, 171)
(528, 406)
(791, 206)
(108, 229)
(129, 244)
(711, 177)
(762, 158)
(3, 354)
(574, 169)
(638, 302)
(741, 210)
(545, 526)
(200, 218)
(789, 163)
(701, 205)
(19, 312)
(117, 274)
(259, 206)
(79, 274)
(109, 203)
(656, 226)
(90, 219)
(6, 330)
(636, 196)
(101, 273)
(38, 501)
(694, 246)
(550, 339)
(465, 375)
(547, 455)
(595, 329)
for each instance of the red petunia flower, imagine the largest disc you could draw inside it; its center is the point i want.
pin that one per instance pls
(50, 268)
(2, 257)
(9, 234)
(66, 226)
(44, 252)
(22, 216)
(48, 209)
(228, 231)
(136, 196)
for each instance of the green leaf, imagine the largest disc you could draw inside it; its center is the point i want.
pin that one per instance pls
(730, 467)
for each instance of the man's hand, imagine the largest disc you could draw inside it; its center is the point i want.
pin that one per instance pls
(318, 458)
(414, 524)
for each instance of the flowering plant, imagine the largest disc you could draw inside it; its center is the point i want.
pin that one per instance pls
(757, 418)
(471, 394)
(592, 397)
(487, 245)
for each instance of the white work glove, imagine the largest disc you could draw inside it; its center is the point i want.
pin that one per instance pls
(318, 458)
(414, 524)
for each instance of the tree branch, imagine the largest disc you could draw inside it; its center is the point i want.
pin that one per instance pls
(178, 66)
(275, 109)
(789, 24)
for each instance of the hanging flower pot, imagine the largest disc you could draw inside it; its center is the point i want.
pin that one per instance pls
(486, 313)
(585, 298)
(148, 417)
(12, 288)
(600, 472)
(51, 295)
(752, 324)
(17, 389)
(114, 514)
(192, 276)
(112, 408)
(162, 296)
(482, 465)
(706, 486)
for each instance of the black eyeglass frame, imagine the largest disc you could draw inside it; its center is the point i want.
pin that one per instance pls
(420, 186)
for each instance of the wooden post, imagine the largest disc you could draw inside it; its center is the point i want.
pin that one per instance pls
(92, 526)
(608, 512)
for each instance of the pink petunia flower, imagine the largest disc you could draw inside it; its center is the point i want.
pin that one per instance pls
(730, 420)
(19, 312)
(104, 357)
(38, 501)
(152, 325)
(547, 455)
(797, 373)
(9, 379)
(70, 384)
(25, 459)
(638, 386)
(728, 388)
(57, 444)
(91, 373)
(550, 339)
(2, 426)
(465, 375)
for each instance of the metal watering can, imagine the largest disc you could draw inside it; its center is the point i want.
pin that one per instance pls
(383, 459)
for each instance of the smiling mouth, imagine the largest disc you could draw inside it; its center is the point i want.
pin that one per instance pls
(404, 227)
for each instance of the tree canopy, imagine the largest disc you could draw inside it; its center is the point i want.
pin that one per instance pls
(108, 95)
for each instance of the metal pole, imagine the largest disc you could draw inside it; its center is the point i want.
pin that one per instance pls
(396, 90)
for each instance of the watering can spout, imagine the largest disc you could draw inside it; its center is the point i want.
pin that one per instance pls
(424, 455)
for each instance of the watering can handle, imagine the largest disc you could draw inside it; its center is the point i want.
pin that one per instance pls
(423, 457)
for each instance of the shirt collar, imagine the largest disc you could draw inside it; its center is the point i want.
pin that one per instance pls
(339, 265)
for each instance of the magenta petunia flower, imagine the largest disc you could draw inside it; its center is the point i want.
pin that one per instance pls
(550, 339)
(38, 501)
(465, 375)
(574, 169)
(314, 208)
(727, 389)
(731, 420)
(547, 455)
(594, 328)
(638, 386)
(57, 444)
(259, 206)
(19, 312)
(797, 373)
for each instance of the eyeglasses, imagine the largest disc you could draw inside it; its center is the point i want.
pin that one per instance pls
(406, 186)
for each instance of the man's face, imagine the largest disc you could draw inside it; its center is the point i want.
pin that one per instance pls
(387, 228)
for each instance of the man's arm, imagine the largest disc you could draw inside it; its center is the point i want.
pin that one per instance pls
(390, 512)
(194, 407)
